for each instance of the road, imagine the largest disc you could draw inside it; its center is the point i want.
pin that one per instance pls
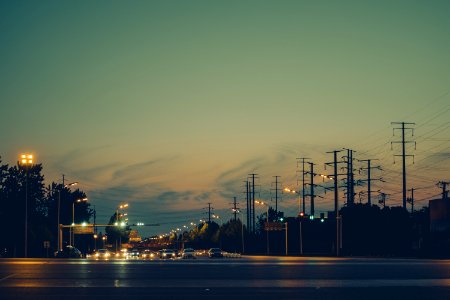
(243, 278)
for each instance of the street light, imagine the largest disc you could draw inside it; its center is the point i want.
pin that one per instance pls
(72, 237)
(26, 160)
(59, 209)
(95, 242)
(267, 222)
(118, 223)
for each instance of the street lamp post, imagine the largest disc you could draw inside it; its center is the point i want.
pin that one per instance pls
(59, 208)
(267, 222)
(95, 242)
(72, 236)
(26, 160)
(121, 207)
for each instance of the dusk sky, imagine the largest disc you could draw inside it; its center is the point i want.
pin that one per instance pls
(169, 105)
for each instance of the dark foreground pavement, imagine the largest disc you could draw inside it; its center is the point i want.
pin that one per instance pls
(245, 278)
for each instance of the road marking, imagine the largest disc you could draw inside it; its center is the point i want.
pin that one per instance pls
(9, 276)
(229, 283)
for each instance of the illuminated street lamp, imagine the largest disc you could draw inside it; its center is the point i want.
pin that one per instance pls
(267, 222)
(26, 160)
(119, 223)
(95, 242)
(72, 237)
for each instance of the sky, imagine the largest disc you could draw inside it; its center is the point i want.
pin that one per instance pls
(169, 105)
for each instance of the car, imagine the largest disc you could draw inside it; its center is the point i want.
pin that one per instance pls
(134, 254)
(188, 253)
(215, 252)
(167, 253)
(103, 254)
(68, 252)
(122, 254)
(147, 254)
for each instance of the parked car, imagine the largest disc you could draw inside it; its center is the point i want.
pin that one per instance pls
(188, 253)
(167, 253)
(68, 252)
(215, 252)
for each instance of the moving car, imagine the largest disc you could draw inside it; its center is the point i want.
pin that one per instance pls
(134, 254)
(167, 253)
(68, 252)
(147, 254)
(215, 252)
(102, 254)
(188, 253)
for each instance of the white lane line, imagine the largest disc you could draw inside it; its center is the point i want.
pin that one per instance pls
(9, 276)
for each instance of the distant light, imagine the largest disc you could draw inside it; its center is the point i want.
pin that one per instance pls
(322, 220)
(83, 224)
(116, 224)
(311, 217)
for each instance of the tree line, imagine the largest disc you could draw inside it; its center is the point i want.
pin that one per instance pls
(23, 192)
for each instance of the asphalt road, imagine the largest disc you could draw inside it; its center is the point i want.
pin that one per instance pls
(242, 278)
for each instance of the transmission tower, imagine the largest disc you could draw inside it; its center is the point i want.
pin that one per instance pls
(276, 189)
(369, 179)
(303, 183)
(403, 155)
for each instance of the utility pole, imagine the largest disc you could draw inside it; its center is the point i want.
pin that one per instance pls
(403, 155)
(411, 200)
(247, 197)
(303, 185)
(209, 212)
(252, 203)
(311, 183)
(336, 199)
(276, 195)
(369, 179)
(235, 209)
(350, 178)
(444, 184)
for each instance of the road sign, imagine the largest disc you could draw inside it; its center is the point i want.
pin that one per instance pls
(83, 230)
(273, 226)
